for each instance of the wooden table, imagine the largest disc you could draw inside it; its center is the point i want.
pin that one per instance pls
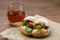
(47, 8)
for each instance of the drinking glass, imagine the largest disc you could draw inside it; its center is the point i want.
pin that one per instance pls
(16, 12)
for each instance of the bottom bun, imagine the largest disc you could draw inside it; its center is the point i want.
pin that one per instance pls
(40, 32)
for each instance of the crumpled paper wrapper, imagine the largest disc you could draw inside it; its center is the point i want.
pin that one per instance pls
(15, 34)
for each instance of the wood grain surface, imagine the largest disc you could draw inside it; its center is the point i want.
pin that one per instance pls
(47, 8)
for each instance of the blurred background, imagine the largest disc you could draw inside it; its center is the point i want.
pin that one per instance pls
(47, 8)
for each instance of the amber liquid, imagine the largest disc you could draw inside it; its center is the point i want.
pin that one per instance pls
(16, 16)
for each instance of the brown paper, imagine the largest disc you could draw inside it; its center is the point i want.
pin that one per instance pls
(15, 34)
